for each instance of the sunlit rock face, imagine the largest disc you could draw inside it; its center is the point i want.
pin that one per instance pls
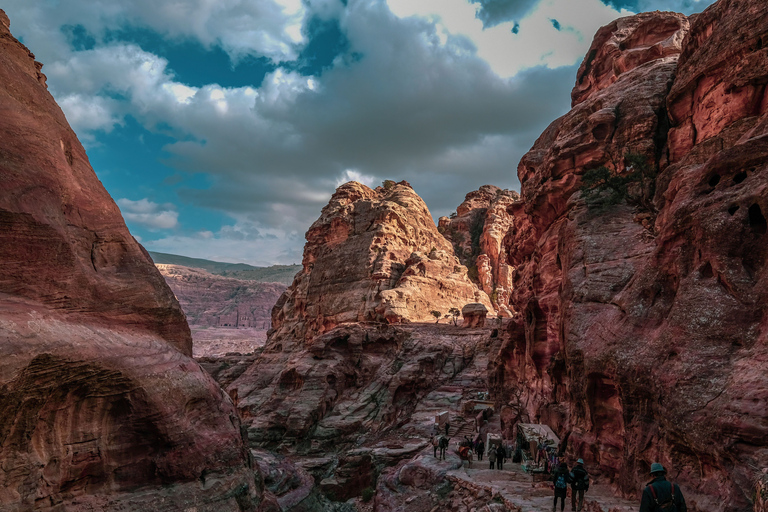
(373, 255)
(100, 406)
(477, 232)
(643, 333)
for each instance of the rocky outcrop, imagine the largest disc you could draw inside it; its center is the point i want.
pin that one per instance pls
(643, 331)
(477, 232)
(100, 406)
(373, 255)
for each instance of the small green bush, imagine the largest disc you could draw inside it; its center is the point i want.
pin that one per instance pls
(368, 493)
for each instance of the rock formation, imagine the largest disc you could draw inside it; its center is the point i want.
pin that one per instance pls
(100, 406)
(644, 332)
(474, 315)
(477, 232)
(373, 255)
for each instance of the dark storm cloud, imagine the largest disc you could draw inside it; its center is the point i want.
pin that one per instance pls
(493, 12)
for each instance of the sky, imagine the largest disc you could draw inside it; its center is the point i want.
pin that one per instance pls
(222, 127)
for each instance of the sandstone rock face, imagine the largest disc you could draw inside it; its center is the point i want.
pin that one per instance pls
(100, 406)
(477, 233)
(648, 341)
(224, 313)
(63, 241)
(373, 255)
(214, 301)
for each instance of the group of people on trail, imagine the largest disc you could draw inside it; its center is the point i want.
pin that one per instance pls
(659, 495)
(577, 478)
(497, 455)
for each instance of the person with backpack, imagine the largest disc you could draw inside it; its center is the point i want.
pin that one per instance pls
(660, 495)
(579, 485)
(561, 477)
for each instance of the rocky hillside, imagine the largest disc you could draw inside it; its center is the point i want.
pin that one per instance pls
(373, 255)
(640, 254)
(477, 232)
(209, 300)
(273, 274)
(101, 408)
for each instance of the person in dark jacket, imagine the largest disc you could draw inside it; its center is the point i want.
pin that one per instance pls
(561, 477)
(480, 449)
(663, 490)
(501, 454)
(579, 485)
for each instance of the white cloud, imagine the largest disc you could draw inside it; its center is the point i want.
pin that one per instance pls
(355, 175)
(270, 28)
(537, 42)
(245, 241)
(149, 214)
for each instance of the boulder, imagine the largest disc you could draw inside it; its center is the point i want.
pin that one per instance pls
(474, 315)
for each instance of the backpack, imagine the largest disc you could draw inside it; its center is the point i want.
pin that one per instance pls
(580, 479)
(561, 482)
(668, 505)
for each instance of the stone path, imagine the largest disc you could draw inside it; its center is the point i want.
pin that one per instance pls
(516, 486)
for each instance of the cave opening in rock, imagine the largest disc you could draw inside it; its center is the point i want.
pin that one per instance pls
(757, 220)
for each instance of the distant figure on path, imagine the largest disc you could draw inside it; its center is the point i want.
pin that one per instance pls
(561, 477)
(661, 494)
(579, 485)
(435, 443)
(447, 426)
(491, 456)
(480, 449)
(501, 454)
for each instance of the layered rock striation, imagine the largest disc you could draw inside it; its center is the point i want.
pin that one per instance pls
(644, 332)
(373, 255)
(100, 406)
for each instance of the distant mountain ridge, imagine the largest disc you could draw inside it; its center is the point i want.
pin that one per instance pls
(274, 274)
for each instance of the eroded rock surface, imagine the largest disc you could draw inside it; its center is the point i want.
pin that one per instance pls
(373, 255)
(477, 232)
(644, 334)
(100, 406)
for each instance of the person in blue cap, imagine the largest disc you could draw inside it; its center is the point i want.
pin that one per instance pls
(579, 485)
(660, 494)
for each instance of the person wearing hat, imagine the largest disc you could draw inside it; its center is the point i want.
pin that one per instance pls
(661, 494)
(579, 485)
(561, 477)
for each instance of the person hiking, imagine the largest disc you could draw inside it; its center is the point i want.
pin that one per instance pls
(447, 426)
(501, 454)
(579, 485)
(561, 478)
(443, 445)
(660, 494)
(492, 456)
(480, 449)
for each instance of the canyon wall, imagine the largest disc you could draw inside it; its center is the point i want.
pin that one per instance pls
(643, 333)
(100, 406)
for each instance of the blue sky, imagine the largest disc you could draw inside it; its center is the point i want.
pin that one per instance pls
(222, 127)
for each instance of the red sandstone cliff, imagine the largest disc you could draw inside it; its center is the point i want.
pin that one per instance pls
(373, 255)
(477, 232)
(101, 408)
(644, 331)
